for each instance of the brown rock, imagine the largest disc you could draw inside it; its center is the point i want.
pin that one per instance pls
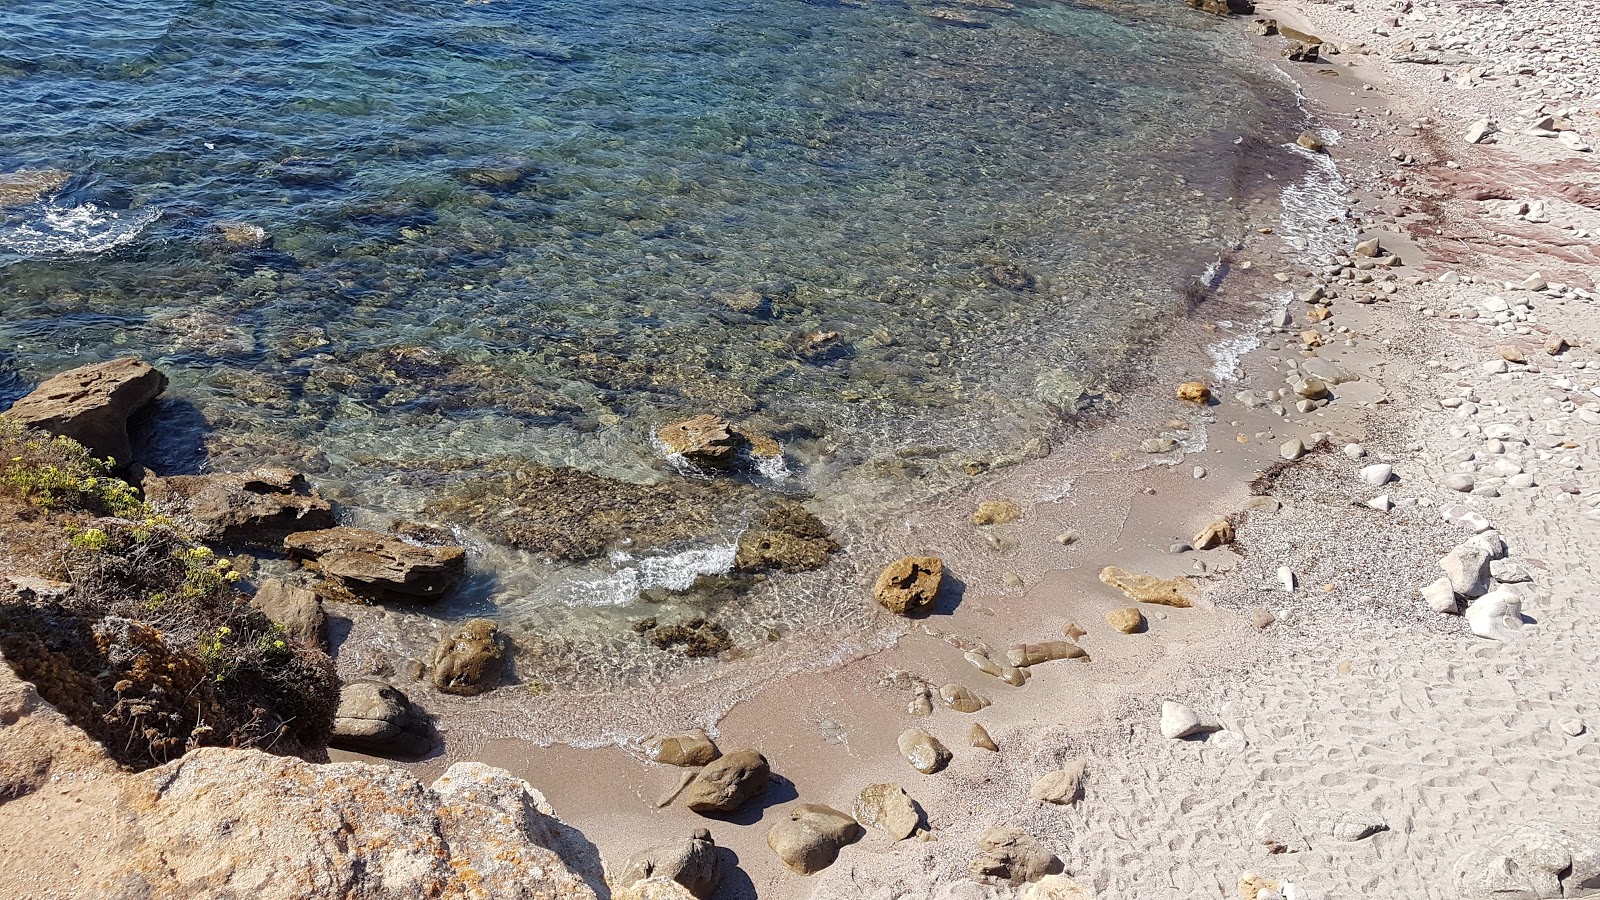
(1251, 884)
(787, 537)
(705, 440)
(1043, 652)
(294, 609)
(378, 718)
(1260, 619)
(996, 512)
(1012, 855)
(1298, 51)
(1148, 588)
(909, 584)
(685, 748)
(889, 809)
(1194, 392)
(1072, 631)
(379, 566)
(690, 863)
(1060, 787)
(1310, 141)
(1216, 534)
(91, 404)
(1311, 339)
(1127, 620)
(728, 783)
(962, 699)
(810, 839)
(1555, 345)
(241, 235)
(26, 186)
(1319, 313)
(924, 751)
(258, 508)
(1512, 354)
(978, 736)
(465, 662)
(653, 889)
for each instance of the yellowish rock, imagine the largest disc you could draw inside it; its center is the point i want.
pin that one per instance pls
(1057, 887)
(1194, 392)
(1148, 588)
(1023, 655)
(978, 736)
(1251, 884)
(909, 583)
(962, 699)
(996, 512)
(1127, 620)
(1216, 534)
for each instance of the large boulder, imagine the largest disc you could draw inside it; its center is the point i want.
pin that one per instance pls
(728, 783)
(467, 659)
(91, 404)
(377, 718)
(692, 863)
(296, 610)
(379, 566)
(258, 508)
(909, 584)
(810, 839)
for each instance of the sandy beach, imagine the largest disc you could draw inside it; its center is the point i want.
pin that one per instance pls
(1418, 410)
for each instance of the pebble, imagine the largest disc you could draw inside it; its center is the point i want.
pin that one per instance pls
(1067, 538)
(1199, 472)
(1286, 578)
(1572, 727)
(1354, 451)
(1377, 474)
(1178, 721)
(1381, 503)
(1292, 449)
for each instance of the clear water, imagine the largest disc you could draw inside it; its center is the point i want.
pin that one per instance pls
(529, 230)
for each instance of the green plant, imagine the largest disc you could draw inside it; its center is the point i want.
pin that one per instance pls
(58, 473)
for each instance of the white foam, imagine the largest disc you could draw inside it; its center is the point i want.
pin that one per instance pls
(634, 575)
(51, 228)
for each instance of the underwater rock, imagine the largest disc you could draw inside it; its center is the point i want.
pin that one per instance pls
(375, 717)
(241, 235)
(705, 440)
(697, 637)
(26, 186)
(258, 508)
(788, 537)
(378, 566)
(463, 661)
(909, 584)
(996, 512)
(507, 174)
(91, 404)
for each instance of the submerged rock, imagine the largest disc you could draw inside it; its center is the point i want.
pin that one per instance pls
(258, 508)
(91, 404)
(909, 584)
(691, 863)
(728, 783)
(1224, 7)
(996, 512)
(789, 538)
(698, 637)
(810, 839)
(465, 661)
(378, 566)
(241, 235)
(888, 808)
(26, 186)
(1012, 855)
(1148, 588)
(378, 718)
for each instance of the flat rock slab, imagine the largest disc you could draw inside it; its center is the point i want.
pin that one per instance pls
(379, 566)
(258, 508)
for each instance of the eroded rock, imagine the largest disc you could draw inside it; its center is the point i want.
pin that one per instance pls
(1061, 787)
(378, 566)
(1174, 592)
(258, 508)
(1012, 855)
(1044, 651)
(294, 609)
(91, 404)
(691, 863)
(728, 783)
(466, 661)
(809, 840)
(685, 748)
(923, 751)
(909, 584)
(378, 718)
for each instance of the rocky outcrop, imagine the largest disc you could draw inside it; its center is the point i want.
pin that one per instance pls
(91, 404)
(377, 718)
(691, 863)
(466, 661)
(294, 609)
(728, 783)
(909, 584)
(809, 840)
(258, 508)
(378, 566)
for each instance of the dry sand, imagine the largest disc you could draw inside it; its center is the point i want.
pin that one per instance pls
(1387, 749)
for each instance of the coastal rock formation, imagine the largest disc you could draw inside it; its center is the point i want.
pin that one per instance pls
(786, 537)
(810, 839)
(996, 512)
(296, 610)
(377, 718)
(1012, 855)
(1148, 588)
(690, 863)
(698, 637)
(923, 751)
(888, 808)
(378, 566)
(258, 508)
(707, 441)
(685, 748)
(909, 584)
(26, 186)
(91, 404)
(728, 783)
(465, 661)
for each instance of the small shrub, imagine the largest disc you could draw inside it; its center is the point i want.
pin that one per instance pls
(58, 473)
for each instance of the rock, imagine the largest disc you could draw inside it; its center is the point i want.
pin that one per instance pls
(1194, 392)
(684, 748)
(1459, 481)
(810, 839)
(788, 537)
(1534, 282)
(1555, 345)
(1280, 833)
(653, 889)
(1302, 52)
(1572, 727)
(1292, 449)
(961, 699)
(1148, 588)
(909, 584)
(1509, 571)
(691, 863)
(295, 609)
(1067, 538)
(1158, 445)
(1127, 620)
(1467, 568)
(1217, 534)
(1261, 619)
(1023, 655)
(1060, 787)
(1178, 721)
(378, 566)
(1381, 503)
(923, 751)
(1479, 131)
(258, 508)
(1072, 631)
(706, 441)
(978, 736)
(377, 718)
(1310, 141)
(1057, 887)
(1441, 597)
(1533, 862)
(1377, 474)
(25, 186)
(996, 512)
(1496, 615)
(696, 638)
(241, 235)
(1512, 354)
(728, 783)
(889, 809)
(465, 661)
(91, 404)
(1254, 887)
(1012, 855)
(1369, 247)
(1264, 27)
(1286, 579)
(1489, 542)
(956, 17)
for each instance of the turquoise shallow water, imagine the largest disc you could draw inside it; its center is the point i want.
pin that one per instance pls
(537, 231)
